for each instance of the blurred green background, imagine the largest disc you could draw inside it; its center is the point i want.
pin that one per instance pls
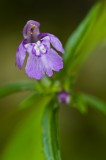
(82, 136)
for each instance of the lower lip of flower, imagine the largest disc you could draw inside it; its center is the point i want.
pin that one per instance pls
(39, 50)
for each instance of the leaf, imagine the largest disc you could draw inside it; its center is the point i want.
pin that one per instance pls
(50, 132)
(94, 102)
(90, 33)
(82, 100)
(22, 132)
(79, 103)
(29, 101)
(15, 87)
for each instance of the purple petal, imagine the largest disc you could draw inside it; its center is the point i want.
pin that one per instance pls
(42, 35)
(34, 67)
(27, 28)
(56, 43)
(52, 62)
(46, 65)
(20, 55)
(29, 47)
(46, 41)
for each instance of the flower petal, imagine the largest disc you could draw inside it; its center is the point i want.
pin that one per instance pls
(27, 27)
(46, 65)
(29, 47)
(56, 43)
(52, 61)
(20, 55)
(34, 67)
(46, 41)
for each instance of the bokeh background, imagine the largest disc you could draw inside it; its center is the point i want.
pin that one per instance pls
(82, 136)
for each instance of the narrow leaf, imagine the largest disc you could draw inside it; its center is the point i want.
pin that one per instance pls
(50, 132)
(80, 33)
(23, 131)
(15, 87)
(28, 101)
(90, 33)
(79, 103)
(94, 102)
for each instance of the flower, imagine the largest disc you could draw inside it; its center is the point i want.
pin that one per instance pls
(63, 97)
(41, 49)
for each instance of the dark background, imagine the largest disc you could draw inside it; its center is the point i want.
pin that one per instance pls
(59, 17)
(83, 137)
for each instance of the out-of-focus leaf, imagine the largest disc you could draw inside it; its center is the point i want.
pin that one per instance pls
(80, 33)
(94, 102)
(22, 133)
(15, 87)
(50, 132)
(82, 100)
(28, 101)
(79, 103)
(87, 36)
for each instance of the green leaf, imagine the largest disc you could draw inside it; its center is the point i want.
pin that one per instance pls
(82, 100)
(21, 133)
(79, 103)
(15, 87)
(90, 33)
(50, 132)
(94, 102)
(29, 101)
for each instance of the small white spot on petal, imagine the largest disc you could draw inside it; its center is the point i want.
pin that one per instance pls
(26, 45)
(38, 43)
(43, 49)
(37, 50)
(35, 47)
